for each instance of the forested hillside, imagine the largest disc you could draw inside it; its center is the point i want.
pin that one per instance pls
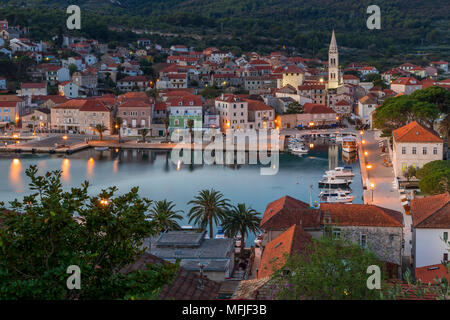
(407, 25)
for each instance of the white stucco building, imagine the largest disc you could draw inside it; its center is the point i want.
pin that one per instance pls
(233, 112)
(415, 145)
(431, 228)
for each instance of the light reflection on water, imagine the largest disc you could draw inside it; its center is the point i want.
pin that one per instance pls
(159, 178)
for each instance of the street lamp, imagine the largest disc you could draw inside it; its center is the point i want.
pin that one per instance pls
(372, 187)
(65, 137)
(369, 166)
(104, 202)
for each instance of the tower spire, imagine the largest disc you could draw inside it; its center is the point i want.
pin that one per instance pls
(333, 43)
(334, 78)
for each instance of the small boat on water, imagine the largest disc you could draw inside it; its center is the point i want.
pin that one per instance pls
(258, 240)
(336, 197)
(349, 144)
(345, 171)
(101, 148)
(344, 191)
(334, 183)
(299, 149)
(220, 234)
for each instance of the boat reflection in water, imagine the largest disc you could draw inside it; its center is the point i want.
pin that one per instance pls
(349, 158)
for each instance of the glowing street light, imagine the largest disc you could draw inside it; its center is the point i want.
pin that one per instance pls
(65, 137)
(369, 166)
(104, 202)
(361, 132)
(363, 142)
(372, 187)
(366, 153)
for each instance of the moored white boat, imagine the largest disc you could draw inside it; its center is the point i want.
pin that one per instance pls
(349, 144)
(341, 172)
(220, 234)
(299, 149)
(334, 183)
(336, 197)
(101, 148)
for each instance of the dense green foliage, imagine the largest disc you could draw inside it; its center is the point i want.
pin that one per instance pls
(406, 26)
(332, 270)
(434, 177)
(423, 106)
(52, 229)
(294, 108)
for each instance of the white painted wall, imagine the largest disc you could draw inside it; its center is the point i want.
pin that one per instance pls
(429, 248)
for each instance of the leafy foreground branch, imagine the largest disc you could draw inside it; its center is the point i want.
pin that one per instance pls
(50, 230)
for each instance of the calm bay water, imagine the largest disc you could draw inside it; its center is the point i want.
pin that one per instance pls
(158, 178)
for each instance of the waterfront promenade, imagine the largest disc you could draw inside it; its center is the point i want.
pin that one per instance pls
(385, 193)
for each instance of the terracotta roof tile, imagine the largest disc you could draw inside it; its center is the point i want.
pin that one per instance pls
(287, 211)
(431, 212)
(314, 108)
(360, 215)
(429, 274)
(414, 132)
(293, 240)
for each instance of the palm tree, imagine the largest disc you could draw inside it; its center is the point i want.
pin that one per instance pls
(164, 216)
(118, 124)
(190, 124)
(33, 118)
(100, 129)
(241, 220)
(209, 207)
(144, 133)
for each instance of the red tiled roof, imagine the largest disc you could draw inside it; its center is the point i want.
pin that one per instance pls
(93, 106)
(414, 132)
(133, 79)
(293, 240)
(431, 212)
(177, 76)
(360, 215)
(406, 81)
(72, 104)
(185, 286)
(342, 103)
(33, 85)
(315, 108)
(134, 104)
(255, 105)
(293, 69)
(160, 106)
(429, 274)
(367, 100)
(185, 101)
(10, 97)
(308, 87)
(287, 211)
(8, 104)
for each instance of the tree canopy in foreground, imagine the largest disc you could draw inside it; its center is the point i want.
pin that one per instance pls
(52, 229)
